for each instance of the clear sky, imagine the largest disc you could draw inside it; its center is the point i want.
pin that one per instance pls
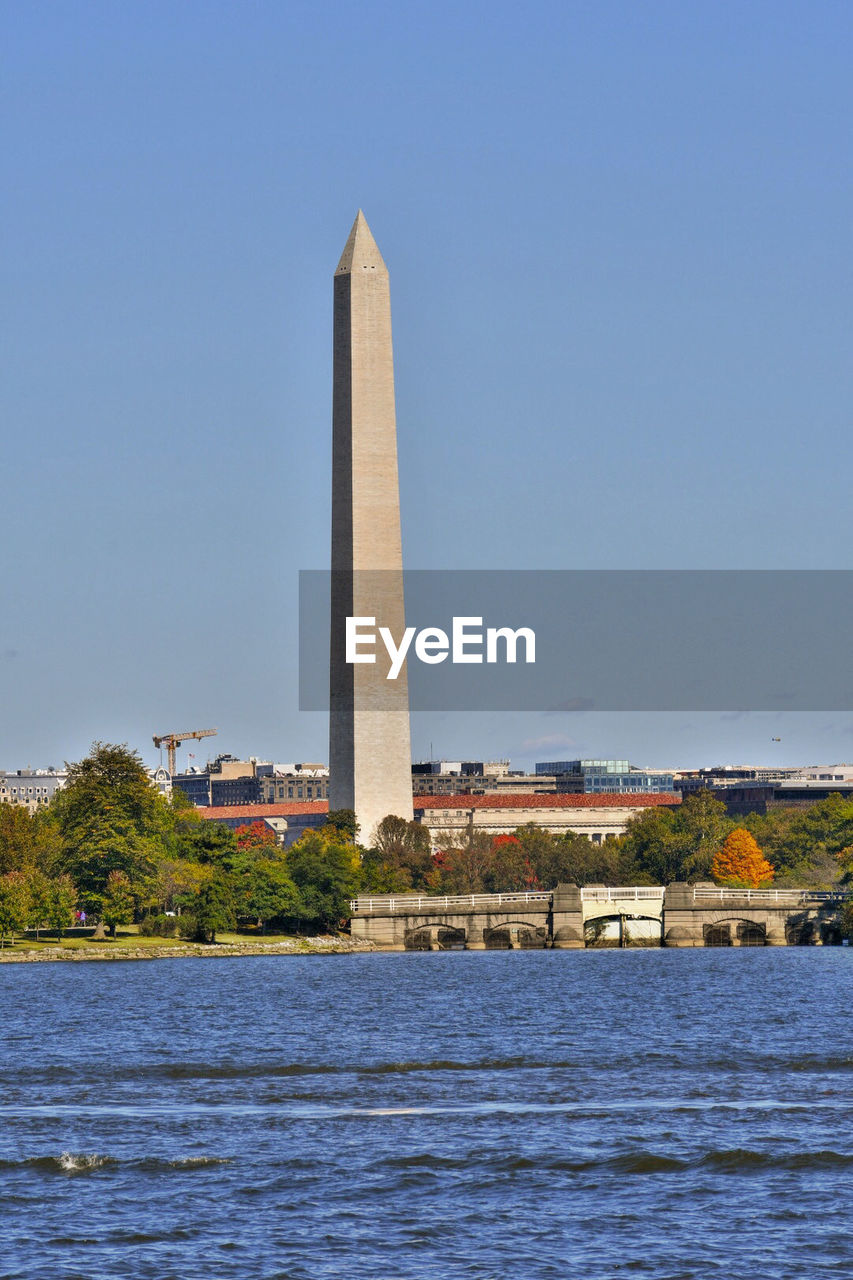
(619, 238)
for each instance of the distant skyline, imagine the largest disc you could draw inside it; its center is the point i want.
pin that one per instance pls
(619, 240)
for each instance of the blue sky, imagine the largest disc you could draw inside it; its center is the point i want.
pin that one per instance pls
(619, 238)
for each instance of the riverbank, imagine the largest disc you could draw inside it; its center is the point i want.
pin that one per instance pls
(154, 949)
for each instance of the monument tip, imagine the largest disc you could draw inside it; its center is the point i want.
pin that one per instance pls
(361, 252)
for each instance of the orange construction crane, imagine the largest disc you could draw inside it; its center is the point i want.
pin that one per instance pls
(173, 740)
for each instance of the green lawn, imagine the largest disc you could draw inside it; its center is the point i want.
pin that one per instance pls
(129, 937)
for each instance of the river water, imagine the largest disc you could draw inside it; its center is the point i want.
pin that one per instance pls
(667, 1114)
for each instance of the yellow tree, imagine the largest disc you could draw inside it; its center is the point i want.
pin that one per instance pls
(740, 862)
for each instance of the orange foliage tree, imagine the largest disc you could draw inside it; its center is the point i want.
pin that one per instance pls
(740, 862)
(255, 835)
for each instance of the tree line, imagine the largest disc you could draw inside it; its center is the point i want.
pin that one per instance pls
(694, 841)
(112, 846)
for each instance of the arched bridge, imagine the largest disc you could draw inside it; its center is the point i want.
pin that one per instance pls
(679, 915)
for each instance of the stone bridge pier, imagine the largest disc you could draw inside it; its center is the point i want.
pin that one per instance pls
(705, 915)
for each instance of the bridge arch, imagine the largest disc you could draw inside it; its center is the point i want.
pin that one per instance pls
(515, 935)
(734, 931)
(808, 930)
(435, 935)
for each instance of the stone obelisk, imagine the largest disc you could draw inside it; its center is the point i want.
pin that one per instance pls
(370, 756)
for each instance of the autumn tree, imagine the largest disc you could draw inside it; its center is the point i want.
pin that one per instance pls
(344, 824)
(466, 864)
(255, 835)
(177, 881)
(511, 869)
(740, 863)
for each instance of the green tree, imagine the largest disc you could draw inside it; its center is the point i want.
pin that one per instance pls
(805, 845)
(117, 905)
(652, 843)
(61, 901)
(265, 891)
(110, 818)
(25, 839)
(210, 843)
(14, 904)
(677, 844)
(112, 783)
(214, 908)
(702, 824)
(327, 876)
(39, 900)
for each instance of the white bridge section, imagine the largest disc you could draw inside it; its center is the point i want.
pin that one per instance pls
(636, 900)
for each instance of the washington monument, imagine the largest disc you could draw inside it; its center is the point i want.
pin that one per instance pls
(370, 755)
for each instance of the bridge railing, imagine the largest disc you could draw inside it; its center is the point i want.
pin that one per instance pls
(767, 895)
(433, 902)
(631, 893)
(637, 893)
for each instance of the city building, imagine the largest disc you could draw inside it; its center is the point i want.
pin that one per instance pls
(472, 777)
(757, 788)
(33, 788)
(728, 775)
(594, 816)
(228, 781)
(605, 776)
(296, 782)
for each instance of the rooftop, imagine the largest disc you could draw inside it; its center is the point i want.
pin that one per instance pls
(550, 800)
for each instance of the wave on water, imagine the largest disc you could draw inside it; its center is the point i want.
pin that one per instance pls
(220, 1070)
(735, 1160)
(226, 1071)
(191, 1071)
(76, 1162)
(72, 1162)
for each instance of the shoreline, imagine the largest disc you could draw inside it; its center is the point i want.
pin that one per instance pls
(296, 946)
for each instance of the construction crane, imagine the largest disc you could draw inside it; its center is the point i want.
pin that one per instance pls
(173, 740)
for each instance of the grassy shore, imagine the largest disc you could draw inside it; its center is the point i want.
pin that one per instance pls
(129, 944)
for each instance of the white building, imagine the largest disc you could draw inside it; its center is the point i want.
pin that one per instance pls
(34, 788)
